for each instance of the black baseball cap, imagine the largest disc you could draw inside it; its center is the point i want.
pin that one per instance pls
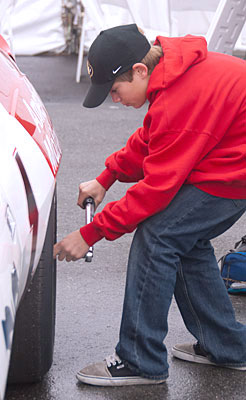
(112, 53)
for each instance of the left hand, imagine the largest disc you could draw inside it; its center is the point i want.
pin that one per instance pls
(72, 247)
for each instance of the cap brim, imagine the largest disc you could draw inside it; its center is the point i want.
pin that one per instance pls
(97, 94)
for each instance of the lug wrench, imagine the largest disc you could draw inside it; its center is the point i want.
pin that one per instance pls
(89, 206)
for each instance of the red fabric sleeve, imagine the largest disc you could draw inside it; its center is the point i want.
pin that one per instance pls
(91, 234)
(106, 179)
(127, 164)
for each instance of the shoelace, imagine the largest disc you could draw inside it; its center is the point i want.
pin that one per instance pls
(114, 359)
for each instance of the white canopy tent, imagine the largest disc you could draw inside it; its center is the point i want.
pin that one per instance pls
(35, 26)
(170, 17)
(32, 26)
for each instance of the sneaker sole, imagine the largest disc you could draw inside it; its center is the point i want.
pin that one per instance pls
(185, 356)
(100, 381)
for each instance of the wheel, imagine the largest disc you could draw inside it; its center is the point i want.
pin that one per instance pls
(33, 342)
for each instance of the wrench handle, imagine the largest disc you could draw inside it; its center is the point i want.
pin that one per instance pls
(89, 205)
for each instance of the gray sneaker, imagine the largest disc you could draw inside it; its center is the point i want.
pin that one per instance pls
(194, 353)
(113, 372)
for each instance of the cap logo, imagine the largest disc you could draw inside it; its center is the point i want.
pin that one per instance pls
(90, 69)
(116, 70)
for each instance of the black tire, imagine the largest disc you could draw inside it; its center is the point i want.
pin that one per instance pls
(33, 343)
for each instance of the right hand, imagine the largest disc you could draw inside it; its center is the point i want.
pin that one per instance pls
(72, 247)
(91, 189)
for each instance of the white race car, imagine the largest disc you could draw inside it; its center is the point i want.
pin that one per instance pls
(29, 160)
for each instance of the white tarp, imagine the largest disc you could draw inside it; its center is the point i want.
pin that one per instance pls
(150, 15)
(191, 17)
(36, 26)
(167, 17)
(6, 10)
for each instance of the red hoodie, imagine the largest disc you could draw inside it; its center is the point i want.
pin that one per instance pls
(193, 133)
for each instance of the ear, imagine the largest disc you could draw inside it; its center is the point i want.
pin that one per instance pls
(140, 69)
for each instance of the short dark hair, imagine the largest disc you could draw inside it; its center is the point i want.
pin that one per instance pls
(151, 59)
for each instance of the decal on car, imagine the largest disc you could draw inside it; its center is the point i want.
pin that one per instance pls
(15, 284)
(44, 133)
(8, 326)
(32, 209)
(8, 321)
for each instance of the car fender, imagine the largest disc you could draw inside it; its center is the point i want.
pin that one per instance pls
(26, 190)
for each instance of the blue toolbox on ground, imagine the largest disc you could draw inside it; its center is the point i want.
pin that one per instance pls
(233, 268)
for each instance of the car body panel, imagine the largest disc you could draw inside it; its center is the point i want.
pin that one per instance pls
(22, 101)
(29, 160)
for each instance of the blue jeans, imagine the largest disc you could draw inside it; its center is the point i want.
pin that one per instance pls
(171, 254)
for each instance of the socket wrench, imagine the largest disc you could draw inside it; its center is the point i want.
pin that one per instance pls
(89, 205)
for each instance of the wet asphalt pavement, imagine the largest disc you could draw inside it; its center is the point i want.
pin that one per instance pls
(90, 295)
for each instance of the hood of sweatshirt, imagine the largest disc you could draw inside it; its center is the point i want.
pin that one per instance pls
(180, 53)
